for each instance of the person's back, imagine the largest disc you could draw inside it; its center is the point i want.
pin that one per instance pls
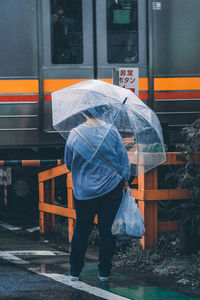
(91, 176)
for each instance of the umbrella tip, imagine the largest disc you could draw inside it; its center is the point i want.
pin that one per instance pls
(125, 100)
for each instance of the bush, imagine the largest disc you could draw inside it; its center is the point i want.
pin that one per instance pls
(188, 176)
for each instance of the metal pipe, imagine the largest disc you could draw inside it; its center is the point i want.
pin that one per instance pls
(5, 184)
(94, 38)
(150, 53)
(31, 163)
(39, 65)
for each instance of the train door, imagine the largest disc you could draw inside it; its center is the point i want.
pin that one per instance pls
(67, 34)
(121, 37)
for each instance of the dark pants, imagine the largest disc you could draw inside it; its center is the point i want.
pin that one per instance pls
(106, 208)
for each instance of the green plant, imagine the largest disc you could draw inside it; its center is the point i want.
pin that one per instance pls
(188, 176)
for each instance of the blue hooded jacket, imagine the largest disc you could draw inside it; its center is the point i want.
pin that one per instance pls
(91, 176)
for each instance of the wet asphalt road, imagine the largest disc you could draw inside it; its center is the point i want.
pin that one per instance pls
(33, 270)
(17, 281)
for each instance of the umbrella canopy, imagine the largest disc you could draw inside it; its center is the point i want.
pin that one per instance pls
(105, 106)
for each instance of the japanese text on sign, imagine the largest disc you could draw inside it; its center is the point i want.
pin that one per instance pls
(128, 78)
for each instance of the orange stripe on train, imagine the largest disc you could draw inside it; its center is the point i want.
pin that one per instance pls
(178, 83)
(160, 84)
(52, 85)
(19, 86)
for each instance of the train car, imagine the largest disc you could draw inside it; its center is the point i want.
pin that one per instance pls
(51, 44)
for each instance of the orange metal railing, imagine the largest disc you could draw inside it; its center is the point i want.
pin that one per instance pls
(147, 194)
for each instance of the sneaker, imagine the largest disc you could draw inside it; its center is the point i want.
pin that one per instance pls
(102, 277)
(73, 278)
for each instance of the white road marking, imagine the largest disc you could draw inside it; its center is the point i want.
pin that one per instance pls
(10, 227)
(31, 252)
(33, 229)
(82, 286)
(61, 253)
(12, 255)
(7, 256)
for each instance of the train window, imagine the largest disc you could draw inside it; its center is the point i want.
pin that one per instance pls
(66, 32)
(122, 31)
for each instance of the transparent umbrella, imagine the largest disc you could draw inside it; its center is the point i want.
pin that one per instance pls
(95, 104)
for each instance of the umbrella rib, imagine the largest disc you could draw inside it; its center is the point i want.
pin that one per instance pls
(112, 124)
(105, 95)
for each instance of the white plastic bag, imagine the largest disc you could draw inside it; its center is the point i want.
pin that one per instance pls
(128, 221)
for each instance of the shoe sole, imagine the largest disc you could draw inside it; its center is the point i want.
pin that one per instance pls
(103, 279)
(73, 278)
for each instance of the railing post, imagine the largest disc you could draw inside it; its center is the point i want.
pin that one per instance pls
(41, 200)
(47, 198)
(47, 220)
(71, 221)
(149, 209)
(53, 202)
